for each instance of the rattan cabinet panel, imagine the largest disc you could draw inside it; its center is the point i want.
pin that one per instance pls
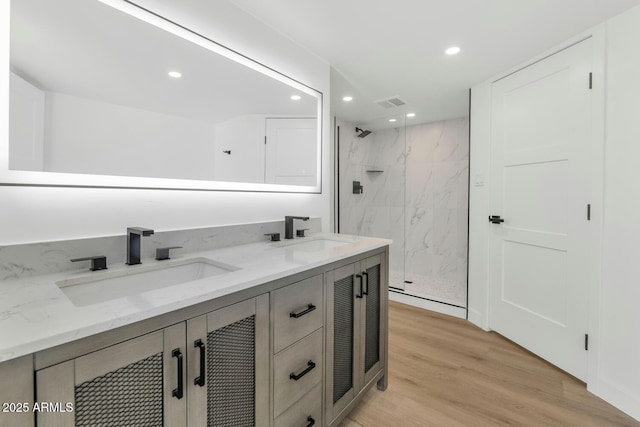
(135, 383)
(208, 371)
(356, 306)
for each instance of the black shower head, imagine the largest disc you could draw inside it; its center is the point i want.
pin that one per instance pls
(363, 132)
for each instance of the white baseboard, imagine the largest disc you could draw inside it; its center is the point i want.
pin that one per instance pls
(477, 319)
(428, 304)
(625, 400)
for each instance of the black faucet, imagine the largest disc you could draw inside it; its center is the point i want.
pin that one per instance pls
(134, 234)
(288, 225)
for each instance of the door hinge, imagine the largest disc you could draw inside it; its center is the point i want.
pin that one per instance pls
(586, 341)
(590, 80)
(589, 212)
(265, 139)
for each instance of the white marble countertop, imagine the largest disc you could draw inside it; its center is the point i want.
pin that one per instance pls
(35, 314)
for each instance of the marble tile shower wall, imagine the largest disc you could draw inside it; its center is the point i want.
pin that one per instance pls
(379, 210)
(420, 200)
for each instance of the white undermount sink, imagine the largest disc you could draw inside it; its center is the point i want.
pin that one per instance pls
(104, 286)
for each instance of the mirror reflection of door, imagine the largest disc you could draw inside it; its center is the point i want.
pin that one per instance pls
(290, 151)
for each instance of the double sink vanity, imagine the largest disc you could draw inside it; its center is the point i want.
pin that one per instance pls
(285, 333)
(229, 329)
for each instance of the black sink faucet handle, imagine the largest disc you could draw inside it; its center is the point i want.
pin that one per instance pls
(98, 262)
(300, 232)
(163, 253)
(275, 237)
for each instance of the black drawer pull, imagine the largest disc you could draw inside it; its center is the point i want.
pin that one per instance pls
(200, 379)
(310, 366)
(178, 392)
(311, 421)
(308, 310)
(360, 295)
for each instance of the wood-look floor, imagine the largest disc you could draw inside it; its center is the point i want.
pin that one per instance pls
(445, 372)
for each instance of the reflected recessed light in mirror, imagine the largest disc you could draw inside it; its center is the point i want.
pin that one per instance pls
(393, 120)
(347, 98)
(452, 50)
(175, 74)
(295, 97)
(411, 114)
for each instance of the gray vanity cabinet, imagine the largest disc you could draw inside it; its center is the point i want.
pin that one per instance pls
(356, 346)
(16, 393)
(298, 357)
(137, 382)
(302, 353)
(228, 365)
(210, 370)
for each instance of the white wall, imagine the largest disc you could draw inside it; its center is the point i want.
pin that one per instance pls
(614, 373)
(31, 214)
(618, 349)
(89, 136)
(27, 125)
(479, 164)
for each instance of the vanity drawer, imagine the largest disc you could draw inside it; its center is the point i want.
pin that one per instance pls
(304, 412)
(298, 311)
(296, 371)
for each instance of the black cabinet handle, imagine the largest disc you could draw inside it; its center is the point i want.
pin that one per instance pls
(311, 421)
(366, 276)
(310, 366)
(359, 276)
(200, 379)
(309, 309)
(178, 392)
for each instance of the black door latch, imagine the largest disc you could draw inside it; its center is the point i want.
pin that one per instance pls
(495, 219)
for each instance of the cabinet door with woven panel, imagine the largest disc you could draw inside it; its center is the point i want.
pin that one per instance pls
(356, 340)
(373, 301)
(228, 365)
(139, 383)
(342, 338)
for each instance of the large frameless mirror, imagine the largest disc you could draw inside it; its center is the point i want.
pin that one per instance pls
(104, 93)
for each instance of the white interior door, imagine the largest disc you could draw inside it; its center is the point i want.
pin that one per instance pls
(541, 139)
(291, 151)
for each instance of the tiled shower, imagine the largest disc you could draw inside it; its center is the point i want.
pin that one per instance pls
(414, 181)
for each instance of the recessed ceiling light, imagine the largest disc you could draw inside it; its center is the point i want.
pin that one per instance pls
(452, 50)
(347, 98)
(295, 97)
(175, 74)
(392, 120)
(411, 114)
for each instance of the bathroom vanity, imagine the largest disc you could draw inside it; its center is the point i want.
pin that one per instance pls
(289, 333)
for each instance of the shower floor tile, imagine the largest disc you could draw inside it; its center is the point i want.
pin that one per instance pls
(440, 290)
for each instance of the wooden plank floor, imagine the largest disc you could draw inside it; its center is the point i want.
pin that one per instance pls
(445, 372)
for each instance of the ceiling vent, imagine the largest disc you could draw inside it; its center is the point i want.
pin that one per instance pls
(390, 102)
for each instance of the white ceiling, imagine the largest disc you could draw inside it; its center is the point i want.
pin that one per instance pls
(71, 47)
(381, 49)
